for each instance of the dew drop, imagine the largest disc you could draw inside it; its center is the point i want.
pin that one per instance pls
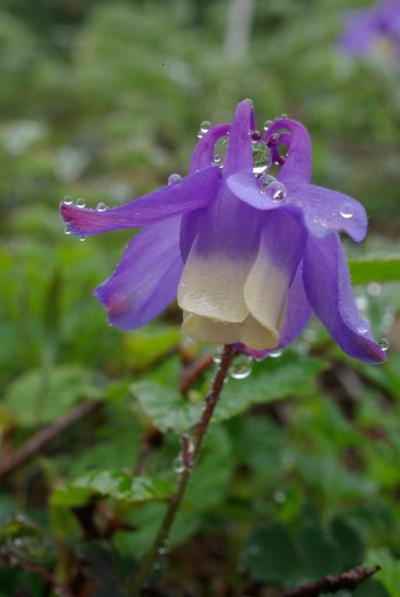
(80, 203)
(205, 126)
(82, 238)
(363, 328)
(346, 211)
(217, 358)
(272, 187)
(67, 230)
(174, 178)
(241, 368)
(217, 158)
(374, 289)
(362, 303)
(267, 124)
(199, 135)
(179, 466)
(284, 116)
(384, 344)
(101, 206)
(68, 200)
(280, 497)
(275, 354)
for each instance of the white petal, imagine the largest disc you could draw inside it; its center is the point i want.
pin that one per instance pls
(213, 287)
(250, 332)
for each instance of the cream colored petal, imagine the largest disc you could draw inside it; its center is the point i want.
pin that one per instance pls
(265, 293)
(213, 287)
(256, 336)
(249, 332)
(207, 330)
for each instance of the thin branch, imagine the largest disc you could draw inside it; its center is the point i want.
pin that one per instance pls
(194, 371)
(188, 457)
(40, 439)
(331, 584)
(11, 555)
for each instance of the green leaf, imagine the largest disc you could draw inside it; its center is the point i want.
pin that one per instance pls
(348, 543)
(317, 551)
(272, 379)
(271, 555)
(112, 483)
(44, 395)
(150, 343)
(381, 269)
(389, 575)
(165, 407)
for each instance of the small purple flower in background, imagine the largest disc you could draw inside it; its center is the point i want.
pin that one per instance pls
(250, 257)
(365, 27)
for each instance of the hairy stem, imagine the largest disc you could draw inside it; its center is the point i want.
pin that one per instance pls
(188, 457)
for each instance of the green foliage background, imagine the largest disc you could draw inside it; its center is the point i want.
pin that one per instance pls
(300, 473)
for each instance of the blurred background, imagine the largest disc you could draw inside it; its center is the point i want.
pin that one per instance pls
(102, 101)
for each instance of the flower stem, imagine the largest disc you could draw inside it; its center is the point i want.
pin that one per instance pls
(188, 457)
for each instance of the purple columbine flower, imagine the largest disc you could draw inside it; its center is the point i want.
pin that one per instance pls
(381, 21)
(249, 257)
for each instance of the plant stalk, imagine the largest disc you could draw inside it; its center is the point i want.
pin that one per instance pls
(188, 458)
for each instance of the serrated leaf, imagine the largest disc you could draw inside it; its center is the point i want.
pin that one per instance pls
(115, 484)
(271, 555)
(271, 379)
(389, 574)
(381, 269)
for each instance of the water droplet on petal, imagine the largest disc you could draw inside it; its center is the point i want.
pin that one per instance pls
(80, 203)
(284, 116)
(241, 368)
(174, 178)
(205, 126)
(82, 238)
(67, 230)
(346, 211)
(275, 354)
(267, 124)
(272, 187)
(101, 206)
(68, 200)
(199, 135)
(363, 327)
(217, 158)
(384, 344)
